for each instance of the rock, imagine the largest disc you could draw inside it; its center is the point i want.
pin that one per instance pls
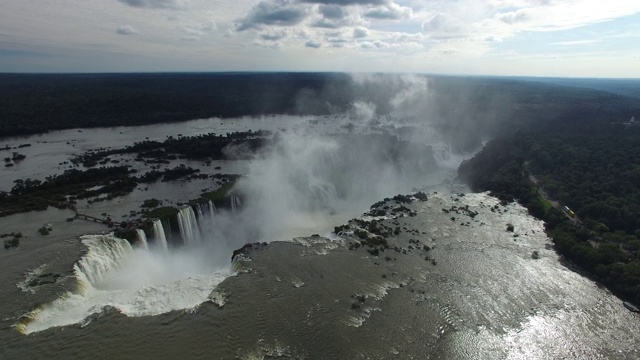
(246, 249)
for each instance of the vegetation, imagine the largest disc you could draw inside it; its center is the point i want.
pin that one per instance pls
(222, 191)
(201, 147)
(161, 212)
(31, 103)
(13, 241)
(61, 190)
(591, 167)
(151, 203)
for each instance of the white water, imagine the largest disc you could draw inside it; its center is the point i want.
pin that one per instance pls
(212, 209)
(135, 282)
(189, 228)
(305, 185)
(159, 234)
(142, 239)
(235, 204)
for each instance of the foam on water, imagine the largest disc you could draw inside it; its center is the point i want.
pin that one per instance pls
(30, 276)
(135, 282)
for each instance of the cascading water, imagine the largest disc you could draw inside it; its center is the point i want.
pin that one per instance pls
(235, 204)
(287, 192)
(142, 239)
(200, 212)
(135, 283)
(105, 253)
(205, 213)
(159, 234)
(443, 153)
(189, 226)
(212, 208)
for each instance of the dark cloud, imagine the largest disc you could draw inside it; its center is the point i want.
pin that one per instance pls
(347, 2)
(281, 13)
(332, 11)
(126, 30)
(312, 44)
(335, 16)
(155, 4)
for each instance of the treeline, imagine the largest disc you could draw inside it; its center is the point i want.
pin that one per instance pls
(96, 184)
(61, 190)
(464, 109)
(209, 146)
(594, 169)
(36, 103)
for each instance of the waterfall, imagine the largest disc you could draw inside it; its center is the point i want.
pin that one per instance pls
(111, 274)
(200, 212)
(235, 204)
(142, 239)
(212, 210)
(105, 253)
(324, 194)
(188, 226)
(443, 153)
(159, 235)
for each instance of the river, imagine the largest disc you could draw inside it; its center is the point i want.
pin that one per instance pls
(476, 293)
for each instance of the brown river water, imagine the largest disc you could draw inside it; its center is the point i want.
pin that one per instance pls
(454, 287)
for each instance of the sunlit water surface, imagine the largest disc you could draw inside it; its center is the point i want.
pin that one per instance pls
(476, 294)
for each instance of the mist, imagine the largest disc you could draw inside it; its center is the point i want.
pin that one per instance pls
(304, 182)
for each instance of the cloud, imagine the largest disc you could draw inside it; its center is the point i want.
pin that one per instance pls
(337, 41)
(155, 4)
(332, 11)
(444, 26)
(469, 27)
(514, 17)
(347, 2)
(312, 44)
(334, 17)
(126, 30)
(576, 42)
(376, 44)
(273, 35)
(22, 53)
(360, 32)
(279, 13)
(389, 11)
(195, 31)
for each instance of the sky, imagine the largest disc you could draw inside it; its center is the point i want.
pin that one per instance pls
(560, 38)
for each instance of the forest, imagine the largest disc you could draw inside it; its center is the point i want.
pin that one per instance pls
(464, 109)
(37, 103)
(592, 167)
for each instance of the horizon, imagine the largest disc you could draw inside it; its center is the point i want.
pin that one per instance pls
(242, 72)
(512, 38)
